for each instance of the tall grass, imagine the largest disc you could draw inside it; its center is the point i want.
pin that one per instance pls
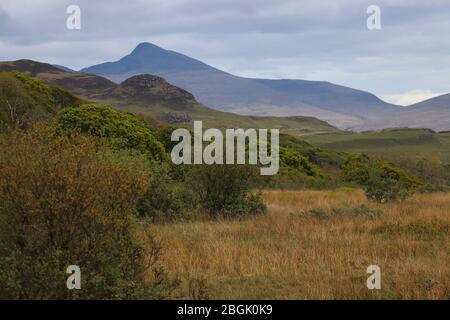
(292, 254)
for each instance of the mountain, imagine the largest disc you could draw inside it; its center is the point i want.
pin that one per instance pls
(153, 96)
(342, 106)
(63, 68)
(437, 103)
(433, 113)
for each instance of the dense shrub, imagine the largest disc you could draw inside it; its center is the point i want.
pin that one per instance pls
(166, 198)
(382, 181)
(387, 183)
(356, 168)
(293, 161)
(66, 201)
(123, 130)
(224, 190)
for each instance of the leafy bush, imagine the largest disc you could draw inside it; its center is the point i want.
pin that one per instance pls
(387, 183)
(224, 190)
(123, 130)
(356, 168)
(166, 199)
(66, 201)
(291, 160)
(382, 181)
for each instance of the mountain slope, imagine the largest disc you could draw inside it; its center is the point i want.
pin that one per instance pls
(341, 106)
(436, 103)
(153, 96)
(24, 100)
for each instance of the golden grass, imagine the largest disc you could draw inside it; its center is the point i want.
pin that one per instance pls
(289, 254)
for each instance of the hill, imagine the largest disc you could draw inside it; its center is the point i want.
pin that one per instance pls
(24, 100)
(152, 96)
(344, 107)
(391, 144)
(341, 106)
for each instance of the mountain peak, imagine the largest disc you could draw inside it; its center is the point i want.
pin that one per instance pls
(146, 48)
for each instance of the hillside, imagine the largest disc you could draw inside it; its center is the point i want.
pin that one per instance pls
(24, 100)
(392, 144)
(344, 107)
(341, 106)
(153, 96)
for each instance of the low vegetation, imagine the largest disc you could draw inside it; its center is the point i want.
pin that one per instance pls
(85, 184)
(293, 252)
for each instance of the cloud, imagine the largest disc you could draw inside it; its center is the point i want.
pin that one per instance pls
(309, 39)
(411, 97)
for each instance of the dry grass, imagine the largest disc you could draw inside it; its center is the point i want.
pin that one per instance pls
(290, 254)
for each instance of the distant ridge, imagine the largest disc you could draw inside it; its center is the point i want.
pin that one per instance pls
(150, 95)
(344, 107)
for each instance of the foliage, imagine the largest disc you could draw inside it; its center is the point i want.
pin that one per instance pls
(382, 181)
(291, 160)
(123, 130)
(166, 199)
(24, 100)
(387, 183)
(224, 190)
(318, 156)
(64, 201)
(356, 168)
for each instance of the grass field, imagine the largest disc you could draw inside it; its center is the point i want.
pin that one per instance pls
(412, 143)
(297, 252)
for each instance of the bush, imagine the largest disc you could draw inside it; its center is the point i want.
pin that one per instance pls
(123, 130)
(382, 181)
(166, 199)
(291, 162)
(66, 201)
(387, 183)
(224, 190)
(356, 168)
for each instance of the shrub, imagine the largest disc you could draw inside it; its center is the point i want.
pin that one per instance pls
(382, 181)
(66, 201)
(292, 161)
(224, 190)
(123, 130)
(166, 199)
(387, 183)
(356, 168)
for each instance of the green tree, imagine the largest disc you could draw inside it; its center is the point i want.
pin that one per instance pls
(123, 130)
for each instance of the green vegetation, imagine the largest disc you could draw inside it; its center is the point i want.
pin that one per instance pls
(124, 131)
(224, 190)
(419, 152)
(65, 200)
(92, 185)
(24, 100)
(393, 143)
(382, 181)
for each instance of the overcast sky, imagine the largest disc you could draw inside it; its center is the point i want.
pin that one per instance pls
(406, 61)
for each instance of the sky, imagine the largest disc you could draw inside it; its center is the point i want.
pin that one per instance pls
(406, 61)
